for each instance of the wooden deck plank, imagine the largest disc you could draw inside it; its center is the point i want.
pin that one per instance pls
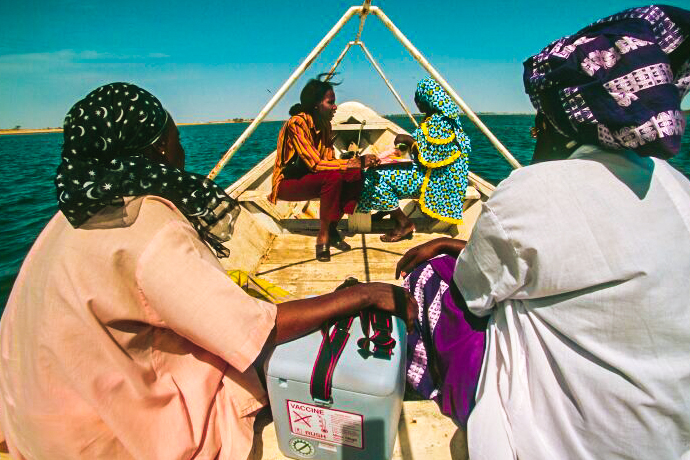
(291, 264)
(304, 242)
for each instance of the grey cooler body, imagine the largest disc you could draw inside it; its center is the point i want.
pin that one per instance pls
(361, 422)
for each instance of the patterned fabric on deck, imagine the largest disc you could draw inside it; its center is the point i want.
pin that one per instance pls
(618, 83)
(385, 186)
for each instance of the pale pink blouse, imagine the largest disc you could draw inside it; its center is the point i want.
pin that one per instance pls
(126, 339)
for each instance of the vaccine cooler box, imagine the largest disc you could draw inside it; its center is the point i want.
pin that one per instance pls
(360, 422)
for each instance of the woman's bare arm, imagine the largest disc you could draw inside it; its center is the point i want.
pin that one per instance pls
(426, 251)
(299, 317)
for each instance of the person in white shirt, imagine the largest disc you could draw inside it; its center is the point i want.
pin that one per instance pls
(581, 261)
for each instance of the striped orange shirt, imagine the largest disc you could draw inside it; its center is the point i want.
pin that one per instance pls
(315, 148)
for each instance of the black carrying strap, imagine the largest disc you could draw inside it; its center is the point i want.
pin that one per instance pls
(332, 346)
(382, 326)
(333, 342)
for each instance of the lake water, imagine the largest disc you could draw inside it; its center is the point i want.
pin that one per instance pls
(27, 194)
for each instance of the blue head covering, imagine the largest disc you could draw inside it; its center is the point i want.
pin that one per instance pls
(619, 82)
(440, 138)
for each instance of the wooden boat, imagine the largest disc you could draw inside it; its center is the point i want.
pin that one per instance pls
(276, 243)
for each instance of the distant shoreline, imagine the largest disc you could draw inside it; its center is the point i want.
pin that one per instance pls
(234, 120)
(225, 122)
(5, 132)
(29, 131)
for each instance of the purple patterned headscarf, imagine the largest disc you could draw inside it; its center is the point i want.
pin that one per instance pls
(619, 82)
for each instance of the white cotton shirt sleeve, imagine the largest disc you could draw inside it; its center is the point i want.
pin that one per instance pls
(489, 269)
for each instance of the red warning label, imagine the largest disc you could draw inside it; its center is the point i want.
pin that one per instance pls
(330, 425)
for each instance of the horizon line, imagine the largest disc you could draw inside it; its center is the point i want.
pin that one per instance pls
(236, 120)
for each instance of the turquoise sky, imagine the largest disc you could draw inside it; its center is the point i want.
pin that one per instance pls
(213, 60)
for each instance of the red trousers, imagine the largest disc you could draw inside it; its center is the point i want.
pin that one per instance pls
(338, 191)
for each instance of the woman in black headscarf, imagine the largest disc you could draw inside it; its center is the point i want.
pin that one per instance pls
(120, 141)
(123, 337)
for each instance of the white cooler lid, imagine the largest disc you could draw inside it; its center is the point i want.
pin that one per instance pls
(375, 376)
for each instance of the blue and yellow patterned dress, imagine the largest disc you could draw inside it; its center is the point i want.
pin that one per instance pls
(438, 175)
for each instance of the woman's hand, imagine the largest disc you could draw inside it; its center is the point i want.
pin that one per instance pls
(371, 160)
(298, 317)
(354, 163)
(382, 296)
(426, 251)
(363, 161)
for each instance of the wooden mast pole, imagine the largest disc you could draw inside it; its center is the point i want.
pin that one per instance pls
(441, 81)
(388, 83)
(363, 10)
(283, 89)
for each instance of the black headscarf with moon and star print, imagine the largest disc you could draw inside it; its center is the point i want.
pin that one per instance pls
(105, 135)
